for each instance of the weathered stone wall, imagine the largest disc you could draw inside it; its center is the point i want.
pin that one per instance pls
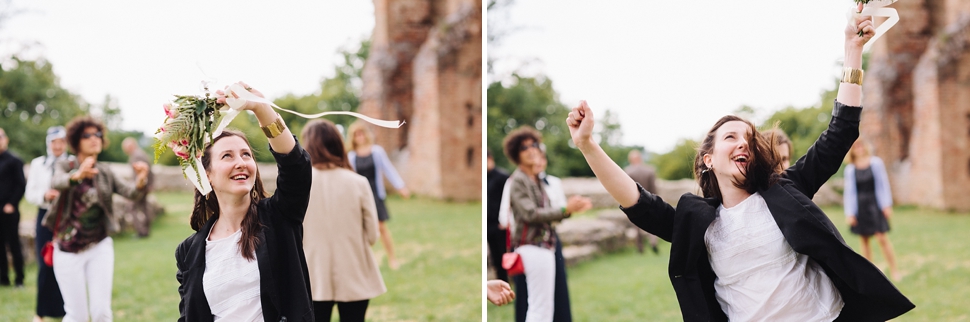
(917, 101)
(425, 67)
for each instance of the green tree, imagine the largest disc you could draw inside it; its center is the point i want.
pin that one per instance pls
(532, 101)
(338, 93)
(31, 100)
(678, 163)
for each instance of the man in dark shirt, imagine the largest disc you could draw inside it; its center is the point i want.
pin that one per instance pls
(646, 176)
(496, 235)
(11, 191)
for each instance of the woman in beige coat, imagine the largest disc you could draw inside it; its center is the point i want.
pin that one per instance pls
(339, 229)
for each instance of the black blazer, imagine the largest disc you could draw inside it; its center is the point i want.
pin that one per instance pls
(14, 183)
(284, 281)
(496, 183)
(867, 293)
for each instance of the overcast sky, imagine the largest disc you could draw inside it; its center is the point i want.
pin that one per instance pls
(141, 53)
(670, 69)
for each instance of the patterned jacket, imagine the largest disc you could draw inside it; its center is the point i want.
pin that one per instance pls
(105, 182)
(533, 212)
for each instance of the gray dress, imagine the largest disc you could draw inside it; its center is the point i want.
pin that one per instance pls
(869, 219)
(365, 167)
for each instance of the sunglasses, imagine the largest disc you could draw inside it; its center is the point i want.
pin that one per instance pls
(526, 147)
(88, 135)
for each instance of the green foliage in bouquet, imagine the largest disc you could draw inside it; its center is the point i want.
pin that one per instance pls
(189, 123)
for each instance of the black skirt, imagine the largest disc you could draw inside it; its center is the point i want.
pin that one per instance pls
(869, 218)
(49, 300)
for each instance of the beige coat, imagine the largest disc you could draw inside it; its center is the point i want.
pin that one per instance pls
(339, 229)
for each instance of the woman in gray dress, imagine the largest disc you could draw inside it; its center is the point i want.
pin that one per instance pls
(370, 161)
(868, 201)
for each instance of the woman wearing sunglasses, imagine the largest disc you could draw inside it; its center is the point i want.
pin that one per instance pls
(81, 219)
(533, 235)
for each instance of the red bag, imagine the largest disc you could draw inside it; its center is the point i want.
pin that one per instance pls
(512, 263)
(48, 253)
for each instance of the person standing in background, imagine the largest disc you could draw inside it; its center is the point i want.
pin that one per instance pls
(868, 202)
(139, 213)
(562, 310)
(341, 226)
(496, 235)
(11, 191)
(83, 250)
(39, 192)
(646, 176)
(370, 161)
(532, 231)
(783, 146)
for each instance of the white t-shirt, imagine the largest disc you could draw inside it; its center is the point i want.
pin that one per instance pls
(759, 276)
(231, 282)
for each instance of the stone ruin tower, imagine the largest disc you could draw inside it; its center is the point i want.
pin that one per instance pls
(425, 67)
(917, 103)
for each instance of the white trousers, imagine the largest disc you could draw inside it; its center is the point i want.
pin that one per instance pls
(540, 275)
(85, 280)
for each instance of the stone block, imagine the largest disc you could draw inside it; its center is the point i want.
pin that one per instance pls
(606, 235)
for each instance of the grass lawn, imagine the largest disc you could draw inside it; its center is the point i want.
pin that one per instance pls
(437, 243)
(935, 265)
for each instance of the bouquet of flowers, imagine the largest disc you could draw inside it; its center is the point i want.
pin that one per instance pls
(189, 124)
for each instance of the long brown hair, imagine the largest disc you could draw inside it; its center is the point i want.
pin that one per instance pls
(206, 206)
(324, 144)
(759, 174)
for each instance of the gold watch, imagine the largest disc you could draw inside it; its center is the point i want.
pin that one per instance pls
(852, 75)
(274, 129)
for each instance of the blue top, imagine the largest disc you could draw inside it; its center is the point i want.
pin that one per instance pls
(383, 166)
(884, 196)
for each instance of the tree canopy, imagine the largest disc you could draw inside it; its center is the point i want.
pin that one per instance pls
(32, 100)
(533, 102)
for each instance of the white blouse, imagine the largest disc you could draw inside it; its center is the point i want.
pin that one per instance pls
(231, 282)
(759, 276)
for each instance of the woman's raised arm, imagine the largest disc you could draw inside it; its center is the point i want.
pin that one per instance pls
(613, 178)
(851, 93)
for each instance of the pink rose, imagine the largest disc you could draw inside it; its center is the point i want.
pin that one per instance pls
(181, 152)
(170, 111)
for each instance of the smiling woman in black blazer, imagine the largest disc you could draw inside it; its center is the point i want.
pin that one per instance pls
(755, 246)
(245, 262)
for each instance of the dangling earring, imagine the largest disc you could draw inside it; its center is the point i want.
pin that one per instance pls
(254, 194)
(708, 169)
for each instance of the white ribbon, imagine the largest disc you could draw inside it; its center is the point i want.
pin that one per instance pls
(876, 8)
(203, 185)
(234, 107)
